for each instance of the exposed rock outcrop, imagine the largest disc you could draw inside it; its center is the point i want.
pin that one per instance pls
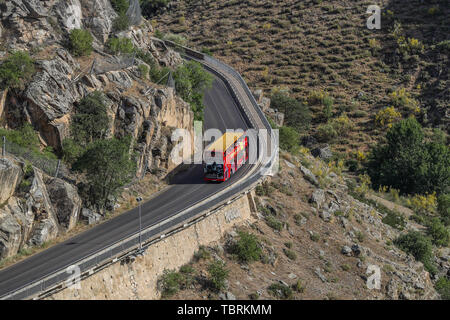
(66, 201)
(10, 174)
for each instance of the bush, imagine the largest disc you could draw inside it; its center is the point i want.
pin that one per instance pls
(407, 163)
(444, 208)
(120, 46)
(16, 69)
(80, 42)
(171, 282)
(342, 125)
(191, 81)
(419, 246)
(122, 22)
(108, 167)
(297, 115)
(438, 232)
(217, 274)
(274, 223)
(402, 99)
(290, 254)
(247, 248)
(120, 6)
(326, 132)
(395, 220)
(91, 120)
(151, 7)
(72, 150)
(386, 117)
(443, 287)
(289, 138)
(143, 71)
(280, 291)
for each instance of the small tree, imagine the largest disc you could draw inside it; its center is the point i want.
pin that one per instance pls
(108, 167)
(297, 115)
(419, 246)
(16, 69)
(191, 81)
(408, 163)
(289, 138)
(247, 247)
(438, 232)
(120, 45)
(91, 120)
(218, 274)
(81, 42)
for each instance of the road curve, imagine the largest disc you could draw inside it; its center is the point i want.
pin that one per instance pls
(186, 189)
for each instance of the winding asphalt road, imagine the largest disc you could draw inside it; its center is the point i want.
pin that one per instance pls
(186, 189)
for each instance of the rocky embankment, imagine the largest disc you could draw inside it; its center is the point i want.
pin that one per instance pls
(36, 208)
(317, 242)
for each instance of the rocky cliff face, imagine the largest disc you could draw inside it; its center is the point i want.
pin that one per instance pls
(137, 107)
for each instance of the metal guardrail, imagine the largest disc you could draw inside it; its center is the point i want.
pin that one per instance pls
(178, 221)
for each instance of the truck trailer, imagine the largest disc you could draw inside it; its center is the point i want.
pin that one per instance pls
(225, 156)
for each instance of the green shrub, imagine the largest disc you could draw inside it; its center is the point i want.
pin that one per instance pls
(438, 232)
(143, 71)
(297, 115)
(120, 6)
(443, 287)
(71, 150)
(151, 7)
(280, 291)
(274, 223)
(395, 220)
(80, 42)
(247, 248)
(408, 163)
(120, 46)
(419, 246)
(90, 121)
(299, 287)
(16, 69)
(201, 253)
(191, 81)
(289, 138)
(326, 132)
(122, 22)
(290, 254)
(108, 166)
(217, 274)
(444, 208)
(171, 282)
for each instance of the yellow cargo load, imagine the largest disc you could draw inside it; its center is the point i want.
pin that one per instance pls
(224, 142)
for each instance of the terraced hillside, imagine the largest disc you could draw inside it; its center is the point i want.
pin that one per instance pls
(323, 49)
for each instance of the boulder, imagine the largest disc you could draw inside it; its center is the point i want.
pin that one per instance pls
(46, 225)
(10, 235)
(323, 153)
(309, 176)
(10, 176)
(346, 250)
(318, 197)
(99, 17)
(69, 14)
(325, 215)
(66, 202)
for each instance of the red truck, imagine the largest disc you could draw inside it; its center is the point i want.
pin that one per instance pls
(225, 156)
